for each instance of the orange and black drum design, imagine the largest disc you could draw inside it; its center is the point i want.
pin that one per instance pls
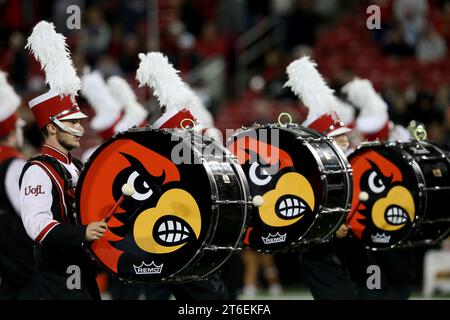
(286, 166)
(186, 216)
(398, 188)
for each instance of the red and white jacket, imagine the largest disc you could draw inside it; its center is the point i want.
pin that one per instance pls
(47, 189)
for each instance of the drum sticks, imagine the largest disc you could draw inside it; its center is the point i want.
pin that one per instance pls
(128, 191)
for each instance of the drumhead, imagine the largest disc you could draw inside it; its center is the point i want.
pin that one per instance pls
(283, 171)
(387, 202)
(158, 230)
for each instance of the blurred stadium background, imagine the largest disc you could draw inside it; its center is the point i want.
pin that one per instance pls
(234, 53)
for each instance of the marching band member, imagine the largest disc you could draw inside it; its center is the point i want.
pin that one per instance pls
(16, 248)
(323, 268)
(176, 100)
(63, 269)
(397, 265)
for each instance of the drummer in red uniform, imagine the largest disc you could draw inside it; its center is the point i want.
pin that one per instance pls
(63, 270)
(324, 270)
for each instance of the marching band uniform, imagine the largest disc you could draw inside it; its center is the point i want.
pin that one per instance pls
(47, 196)
(323, 268)
(16, 254)
(63, 270)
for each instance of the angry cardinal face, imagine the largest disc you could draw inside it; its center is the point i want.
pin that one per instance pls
(158, 228)
(383, 207)
(285, 182)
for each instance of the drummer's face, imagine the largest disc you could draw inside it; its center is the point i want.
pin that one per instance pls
(66, 140)
(342, 141)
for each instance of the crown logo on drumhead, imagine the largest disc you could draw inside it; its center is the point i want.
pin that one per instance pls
(271, 239)
(151, 268)
(380, 238)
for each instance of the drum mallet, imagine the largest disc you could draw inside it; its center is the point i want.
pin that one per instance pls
(127, 190)
(258, 201)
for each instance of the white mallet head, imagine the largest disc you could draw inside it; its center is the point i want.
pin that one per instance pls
(363, 196)
(128, 190)
(258, 201)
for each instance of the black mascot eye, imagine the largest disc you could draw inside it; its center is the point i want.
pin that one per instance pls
(375, 182)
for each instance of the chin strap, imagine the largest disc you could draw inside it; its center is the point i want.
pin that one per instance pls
(19, 132)
(72, 131)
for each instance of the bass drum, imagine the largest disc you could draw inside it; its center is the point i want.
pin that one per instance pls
(400, 190)
(304, 180)
(188, 213)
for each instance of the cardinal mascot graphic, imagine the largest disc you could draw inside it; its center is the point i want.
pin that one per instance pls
(383, 208)
(285, 182)
(158, 227)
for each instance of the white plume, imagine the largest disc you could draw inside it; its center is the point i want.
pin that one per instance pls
(345, 112)
(135, 113)
(361, 93)
(307, 83)
(107, 109)
(156, 71)
(9, 100)
(50, 49)
(374, 111)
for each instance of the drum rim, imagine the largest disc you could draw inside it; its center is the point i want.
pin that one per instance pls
(446, 157)
(245, 193)
(344, 163)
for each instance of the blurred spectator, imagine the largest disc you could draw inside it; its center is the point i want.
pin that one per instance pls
(96, 34)
(436, 133)
(343, 76)
(131, 13)
(396, 101)
(327, 8)
(15, 61)
(301, 24)
(231, 16)
(423, 108)
(411, 15)
(442, 101)
(256, 11)
(395, 44)
(431, 47)
(211, 44)
(280, 8)
(129, 61)
(107, 66)
(191, 18)
(420, 102)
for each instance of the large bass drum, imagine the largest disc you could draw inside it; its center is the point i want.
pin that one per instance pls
(400, 192)
(188, 214)
(304, 180)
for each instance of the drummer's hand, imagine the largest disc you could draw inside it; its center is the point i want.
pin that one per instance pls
(95, 230)
(342, 231)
